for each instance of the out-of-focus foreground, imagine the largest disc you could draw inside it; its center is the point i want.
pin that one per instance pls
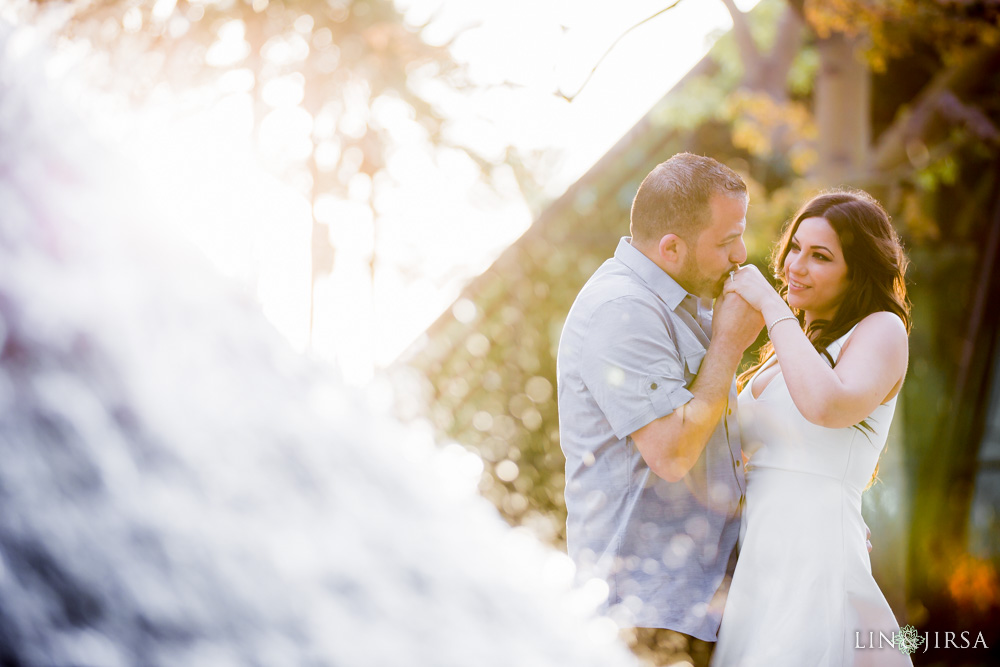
(179, 488)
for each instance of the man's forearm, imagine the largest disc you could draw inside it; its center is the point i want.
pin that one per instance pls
(701, 415)
(672, 444)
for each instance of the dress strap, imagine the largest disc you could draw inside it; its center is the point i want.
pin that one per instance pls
(767, 364)
(834, 348)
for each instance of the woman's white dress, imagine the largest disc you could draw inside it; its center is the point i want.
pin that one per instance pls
(803, 593)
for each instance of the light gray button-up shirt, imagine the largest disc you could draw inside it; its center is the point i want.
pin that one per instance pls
(629, 351)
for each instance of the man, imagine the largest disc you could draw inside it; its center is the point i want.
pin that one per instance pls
(654, 471)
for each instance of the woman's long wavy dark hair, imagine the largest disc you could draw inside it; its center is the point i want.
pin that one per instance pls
(876, 268)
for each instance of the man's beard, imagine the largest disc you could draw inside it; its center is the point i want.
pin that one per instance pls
(719, 285)
(699, 284)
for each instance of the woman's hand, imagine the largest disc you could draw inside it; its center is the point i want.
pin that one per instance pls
(750, 283)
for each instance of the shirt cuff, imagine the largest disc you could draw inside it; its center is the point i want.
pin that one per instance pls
(662, 403)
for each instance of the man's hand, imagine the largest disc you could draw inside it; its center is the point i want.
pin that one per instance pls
(735, 322)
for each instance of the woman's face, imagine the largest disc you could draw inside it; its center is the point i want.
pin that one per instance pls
(815, 270)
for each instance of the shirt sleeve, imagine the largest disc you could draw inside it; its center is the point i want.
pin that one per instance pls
(631, 366)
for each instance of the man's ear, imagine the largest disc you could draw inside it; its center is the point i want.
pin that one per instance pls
(672, 249)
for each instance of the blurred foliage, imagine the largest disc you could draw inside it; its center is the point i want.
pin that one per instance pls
(895, 28)
(346, 74)
(758, 119)
(341, 59)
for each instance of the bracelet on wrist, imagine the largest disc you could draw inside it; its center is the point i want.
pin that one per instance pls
(780, 319)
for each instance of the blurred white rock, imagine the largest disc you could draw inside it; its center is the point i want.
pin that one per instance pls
(177, 487)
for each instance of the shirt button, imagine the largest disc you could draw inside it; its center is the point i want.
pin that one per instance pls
(652, 386)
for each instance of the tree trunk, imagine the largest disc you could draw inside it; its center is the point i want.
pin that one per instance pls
(842, 110)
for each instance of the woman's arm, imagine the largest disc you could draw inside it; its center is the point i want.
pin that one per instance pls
(869, 368)
(871, 364)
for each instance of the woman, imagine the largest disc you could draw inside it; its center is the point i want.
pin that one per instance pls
(814, 415)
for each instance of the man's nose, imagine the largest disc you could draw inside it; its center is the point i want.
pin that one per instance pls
(739, 254)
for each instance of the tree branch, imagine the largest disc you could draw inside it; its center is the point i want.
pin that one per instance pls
(791, 32)
(744, 39)
(923, 121)
(570, 98)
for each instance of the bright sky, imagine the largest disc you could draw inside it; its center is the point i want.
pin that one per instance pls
(437, 225)
(551, 45)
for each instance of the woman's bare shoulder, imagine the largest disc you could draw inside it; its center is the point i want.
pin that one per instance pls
(884, 322)
(882, 330)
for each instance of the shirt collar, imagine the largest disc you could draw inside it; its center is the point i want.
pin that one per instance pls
(648, 272)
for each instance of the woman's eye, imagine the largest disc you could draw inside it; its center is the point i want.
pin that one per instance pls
(820, 256)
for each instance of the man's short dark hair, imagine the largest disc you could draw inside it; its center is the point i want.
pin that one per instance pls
(674, 197)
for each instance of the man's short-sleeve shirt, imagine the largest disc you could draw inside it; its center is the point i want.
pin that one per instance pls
(631, 346)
